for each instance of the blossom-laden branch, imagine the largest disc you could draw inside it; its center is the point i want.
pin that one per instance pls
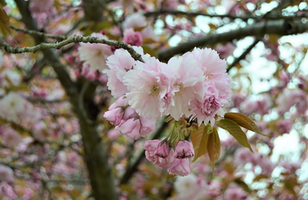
(230, 16)
(73, 39)
(277, 27)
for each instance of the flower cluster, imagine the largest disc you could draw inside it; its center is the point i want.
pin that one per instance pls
(194, 85)
(164, 156)
(127, 121)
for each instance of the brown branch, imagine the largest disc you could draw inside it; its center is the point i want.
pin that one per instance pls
(243, 55)
(278, 27)
(73, 39)
(230, 16)
(96, 156)
(41, 34)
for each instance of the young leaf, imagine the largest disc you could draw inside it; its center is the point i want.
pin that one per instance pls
(242, 184)
(234, 129)
(244, 121)
(4, 23)
(213, 148)
(199, 139)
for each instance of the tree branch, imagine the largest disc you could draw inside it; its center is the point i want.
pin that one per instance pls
(96, 156)
(41, 34)
(230, 16)
(278, 27)
(73, 39)
(243, 55)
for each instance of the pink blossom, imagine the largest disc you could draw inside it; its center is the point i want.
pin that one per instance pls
(95, 55)
(38, 6)
(147, 125)
(214, 69)
(7, 191)
(10, 137)
(113, 134)
(6, 174)
(135, 20)
(289, 97)
(168, 4)
(159, 154)
(179, 167)
(130, 128)
(214, 188)
(11, 106)
(114, 116)
(248, 106)
(188, 187)
(131, 37)
(40, 131)
(118, 64)
(225, 51)
(207, 109)
(284, 126)
(150, 146)
(184, 149)
(148, 87)
(165, 154)
(186, 84)
(235, 193)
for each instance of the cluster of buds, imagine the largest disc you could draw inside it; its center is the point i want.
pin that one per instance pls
(127, 121)
(164, 155)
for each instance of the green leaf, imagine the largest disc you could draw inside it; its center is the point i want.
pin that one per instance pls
(199, 139)
(148, 41)
(2, 3)
(290, 186)
(149, 50)
(235, 130)
(4, 23)
(242, 184)
(244, 121)
(213, 148)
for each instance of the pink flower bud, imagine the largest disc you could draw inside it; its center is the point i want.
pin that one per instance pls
(165, 155)
(6, 174)
(159, 154)
(130, 128)
(184, 149)
(150, 146)
(11, 138)
(91, 76)
(147, 125)
(85, 70)
(114, 116)
(129, 112)
(133, 38)
(120, 102)
(180, 167)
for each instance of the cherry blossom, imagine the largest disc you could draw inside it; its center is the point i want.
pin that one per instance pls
(95, 55)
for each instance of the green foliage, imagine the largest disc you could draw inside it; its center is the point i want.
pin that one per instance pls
(235, 130)
(213, 148)
(199, 139)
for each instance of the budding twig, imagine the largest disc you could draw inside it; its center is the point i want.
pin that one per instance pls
(74, 39)
(42, 34)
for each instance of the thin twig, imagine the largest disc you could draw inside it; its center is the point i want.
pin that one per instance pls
(230, 16)
(32, 32)
(73, 39)
(243, 55)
